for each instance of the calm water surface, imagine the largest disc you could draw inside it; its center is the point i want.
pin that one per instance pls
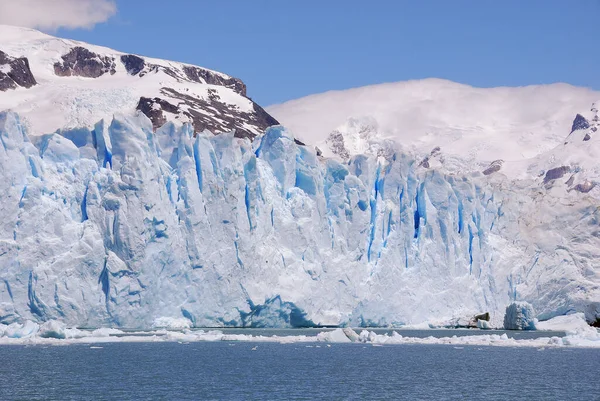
(233, 371)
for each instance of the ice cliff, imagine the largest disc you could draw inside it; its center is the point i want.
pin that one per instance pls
(122, 226)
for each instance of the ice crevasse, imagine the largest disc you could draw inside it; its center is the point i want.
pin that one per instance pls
(122, 226)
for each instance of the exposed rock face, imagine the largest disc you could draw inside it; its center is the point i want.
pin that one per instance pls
(153, 109)
(84, 63)
(556, 173)
(201, 75)
(580, 123)
(136, 65)
(335, 140)
(133, 64)
(585, 187)
(494, 167)
(15, 72)
(434, 152)
(481, 321)
(484, 316)
(212, 114)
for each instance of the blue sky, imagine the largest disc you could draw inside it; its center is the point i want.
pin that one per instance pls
(285, 49)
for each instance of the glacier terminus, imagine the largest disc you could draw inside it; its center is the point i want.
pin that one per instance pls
(119, 225)
(141, 193)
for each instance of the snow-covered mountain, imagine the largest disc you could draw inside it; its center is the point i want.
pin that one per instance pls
(474, 125)
(121, 222)
(56, 83)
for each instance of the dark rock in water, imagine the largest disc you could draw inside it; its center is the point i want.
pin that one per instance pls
(16, 73)
(555, 173)
(585, 187)
(580, 123)
(83, 63)
(133, 64)
(494, 167)
(473, 322)
(212, 114)
(201, 75)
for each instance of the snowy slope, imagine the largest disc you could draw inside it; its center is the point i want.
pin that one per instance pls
(78, 84)
(474, 124)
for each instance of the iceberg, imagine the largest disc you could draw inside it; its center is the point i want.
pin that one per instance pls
(519, 316)
(120, 226)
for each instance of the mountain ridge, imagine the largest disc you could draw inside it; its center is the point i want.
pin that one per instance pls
(86, 83)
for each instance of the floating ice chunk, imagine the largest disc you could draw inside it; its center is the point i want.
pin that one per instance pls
(52, 329)
(337, 336)
(519, 316)
(24, 330)
(574, 324)
(483, 324)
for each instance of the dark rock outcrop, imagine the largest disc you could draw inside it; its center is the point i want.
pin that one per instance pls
(434, 152)
(153, 109)
(494, 167)
(580, 123)
(206, 114)
(83, 63)
(133, 64)
(570, 180)
(585, 187)
(555, 173)
(15, 72)
(484, 316)
(336, 143)
(201, 75)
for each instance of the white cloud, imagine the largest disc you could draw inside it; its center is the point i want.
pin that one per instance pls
(53, 14)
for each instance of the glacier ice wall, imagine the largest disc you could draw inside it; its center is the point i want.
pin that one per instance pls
(122, 226)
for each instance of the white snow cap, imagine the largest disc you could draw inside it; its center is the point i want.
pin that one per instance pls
(477, 124)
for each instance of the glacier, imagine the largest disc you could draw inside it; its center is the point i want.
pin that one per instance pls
(119, 226)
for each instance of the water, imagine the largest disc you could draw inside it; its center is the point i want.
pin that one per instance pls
(233, 371)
